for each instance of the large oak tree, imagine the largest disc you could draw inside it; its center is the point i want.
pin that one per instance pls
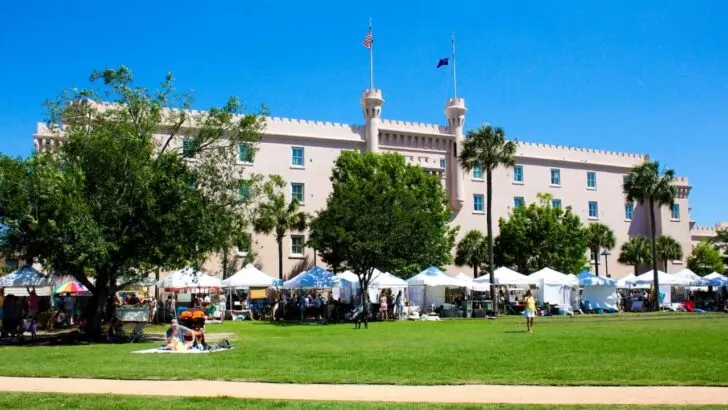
(141, 184)
(383, 213)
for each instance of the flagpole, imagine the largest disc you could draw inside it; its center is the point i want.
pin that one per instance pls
(371, 57)
(454, 69)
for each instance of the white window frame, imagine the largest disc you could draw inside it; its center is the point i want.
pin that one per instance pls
(303, 157)
(482, 172)
(517, 181)
(588, 173)
(482, 203)
(672, 213)
(302, 201)
(515, 200)
(443, 163)
(293, 254)
(250, 149)
(588, 210)
(551, 177)
(631, 208)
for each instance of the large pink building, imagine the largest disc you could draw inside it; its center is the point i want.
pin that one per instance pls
(590, 181)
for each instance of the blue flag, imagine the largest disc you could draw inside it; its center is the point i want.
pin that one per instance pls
(442, 62)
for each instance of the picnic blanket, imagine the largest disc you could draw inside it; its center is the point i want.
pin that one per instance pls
(191, 351)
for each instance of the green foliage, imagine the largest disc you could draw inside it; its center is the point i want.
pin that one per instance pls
(705, 259)
(277, 216)
(668, 249)
(118, 200)
(636, 251)
(539, 236)
(600, 237)
(720, 242)
(646, 184)
(472, 251)
(487, 147)
(385, 214)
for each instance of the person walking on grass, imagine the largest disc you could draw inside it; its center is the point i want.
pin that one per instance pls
(530, 310)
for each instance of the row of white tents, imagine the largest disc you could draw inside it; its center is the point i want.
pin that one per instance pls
(424, 289)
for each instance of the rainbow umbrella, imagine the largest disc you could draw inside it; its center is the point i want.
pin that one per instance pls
(71, 287)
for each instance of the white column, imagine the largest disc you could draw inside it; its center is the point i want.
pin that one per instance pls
(371, 104)
(455, 111)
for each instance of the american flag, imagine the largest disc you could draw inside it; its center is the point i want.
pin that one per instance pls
(368, 40)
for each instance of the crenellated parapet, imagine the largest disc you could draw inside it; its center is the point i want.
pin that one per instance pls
(291, 127)
(579, 155)
(407, 127)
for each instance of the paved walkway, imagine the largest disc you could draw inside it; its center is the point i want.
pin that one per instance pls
(423, 394)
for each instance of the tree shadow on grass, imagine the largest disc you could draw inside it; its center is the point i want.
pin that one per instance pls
(72, 337)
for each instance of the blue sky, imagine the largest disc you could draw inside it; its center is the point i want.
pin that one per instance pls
(646, 76)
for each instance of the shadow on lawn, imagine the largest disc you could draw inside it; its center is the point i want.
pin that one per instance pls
(72, 337)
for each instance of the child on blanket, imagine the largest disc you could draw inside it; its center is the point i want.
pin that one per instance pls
(176, 337)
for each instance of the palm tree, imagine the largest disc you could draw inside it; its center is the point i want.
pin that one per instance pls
(600, 236)
(646, 184)
(277, 216)
(488, 148)
(635, 252)
(668, 249)
(472, 251)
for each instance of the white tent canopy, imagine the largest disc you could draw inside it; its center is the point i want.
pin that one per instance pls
(504, 276)
(714, 275)
(250, 277)
(690, 278)
(625, 282)
(384, 280)
(553, 287)
(188, 278)
(470, 283)
(552, 277)
(350, 277)
(664, 278)
(428, 287)
(26, 276)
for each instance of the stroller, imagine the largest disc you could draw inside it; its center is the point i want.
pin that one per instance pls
(358, 315)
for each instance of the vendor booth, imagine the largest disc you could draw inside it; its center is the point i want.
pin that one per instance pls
(16, 283)
(504, 276)
(251, 277)
(554, 288)
(317, 278)
(599, 293)
(427, 288)
(666, 281)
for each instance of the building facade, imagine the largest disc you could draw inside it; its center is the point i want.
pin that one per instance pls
(590, 181)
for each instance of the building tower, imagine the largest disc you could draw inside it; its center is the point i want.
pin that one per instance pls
(371, 104)
(455, 111)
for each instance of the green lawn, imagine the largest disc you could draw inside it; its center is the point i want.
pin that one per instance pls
(38, 401)
(677, 349)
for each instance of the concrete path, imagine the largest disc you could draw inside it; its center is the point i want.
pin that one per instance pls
(386, 393)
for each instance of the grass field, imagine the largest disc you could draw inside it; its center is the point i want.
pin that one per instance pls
(678, 349)
(38, 401)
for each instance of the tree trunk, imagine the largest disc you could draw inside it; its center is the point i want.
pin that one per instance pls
(280, 257)
(224, 264)
(595, 255)
(656, 293)
(636, 269)
(475, 271)
(665, 265)
(96, 309)
(489, 222)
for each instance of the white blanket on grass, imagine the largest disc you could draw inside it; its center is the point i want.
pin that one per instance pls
(162, 350)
